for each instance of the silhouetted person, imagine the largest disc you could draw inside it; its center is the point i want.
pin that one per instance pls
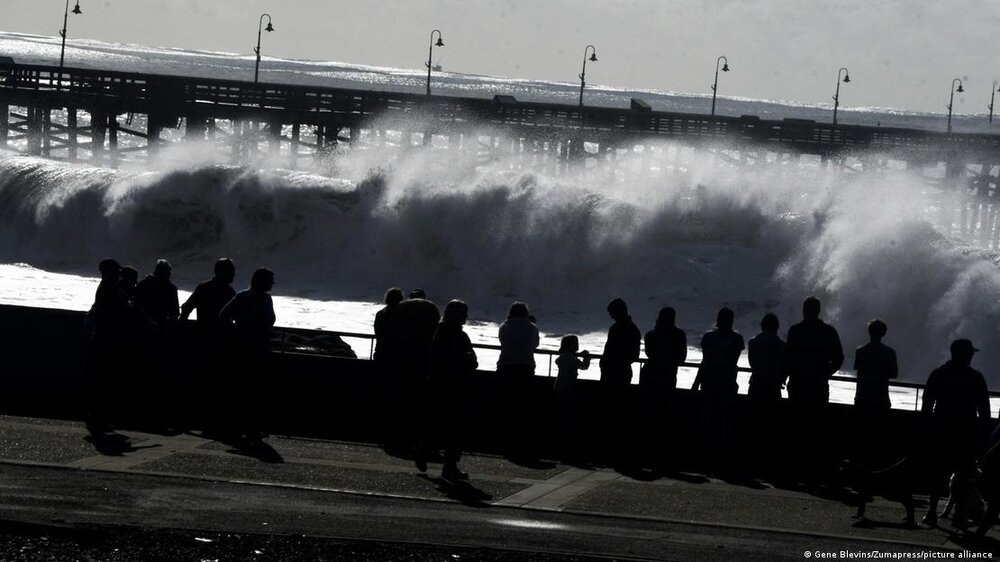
(452, 366)
(956, 412)
(569, 363)
(721, 348)
(386, 329)
(620, 350)
(812, 355)
(252, 313)
(156, 296)
(876, 364)
(515, 371)
(416, 319)
(128, 278)
(766, 352)
(110, 318)
(212, 335)
(666, 350)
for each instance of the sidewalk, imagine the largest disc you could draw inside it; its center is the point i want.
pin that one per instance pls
(365, 470)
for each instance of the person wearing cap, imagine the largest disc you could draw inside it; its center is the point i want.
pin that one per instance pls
(956, 412)
(108, 323)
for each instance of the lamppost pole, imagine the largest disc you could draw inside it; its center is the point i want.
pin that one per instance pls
(715, 85)
(269, 28)
(583, 73)
(62, 32)
(430, 57)
(993, 93)
(836, 95)
(952, 99)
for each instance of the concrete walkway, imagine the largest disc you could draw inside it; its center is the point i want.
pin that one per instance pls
(37, 454)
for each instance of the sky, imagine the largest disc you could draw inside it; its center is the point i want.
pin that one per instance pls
(900, 53)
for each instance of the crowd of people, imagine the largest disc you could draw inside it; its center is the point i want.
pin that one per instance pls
(427, 363)
(955, 411)
(136, 326)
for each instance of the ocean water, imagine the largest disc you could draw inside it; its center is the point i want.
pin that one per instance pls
(697, 235)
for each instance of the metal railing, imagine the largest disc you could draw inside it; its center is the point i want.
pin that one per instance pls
(550, 355)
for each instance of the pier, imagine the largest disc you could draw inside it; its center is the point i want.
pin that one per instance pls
(105, 117)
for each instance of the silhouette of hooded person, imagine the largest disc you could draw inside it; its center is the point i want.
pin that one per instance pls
(813, 354)
(721, 348)
(666, 350)
(956, 414)
(110, 318)
(621, 349)
(251, 312)
(452, 365)
(415, 320)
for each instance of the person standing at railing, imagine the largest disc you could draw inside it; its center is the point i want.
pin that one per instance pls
(813, 354)
(570, 361)
(416, 320)
(453, 363)
(515, 372)
(252, 313)
(956, 413)
(207, 300)
(388, 366)
(108, 322)
(766, 353)
(721, 348)
(666, 350)
(876, 364)
(620, 350)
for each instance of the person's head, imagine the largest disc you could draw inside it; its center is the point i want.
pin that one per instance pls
(962, 351)
(418, 294)
(518, 310)
(724, 319)
(769, 324)
(128, 275)
(455, 313)
(109, 269)
(262, 280)
(618, 309)
(667, 318)
(225, 270)
(569, 344)
(810, 308)
(877, 329)
(162, 269)
(394, 296)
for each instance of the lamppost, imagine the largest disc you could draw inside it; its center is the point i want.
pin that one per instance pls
(993, 93)
(583, 73)
(62, 32)
(430, 57)
(952, 99)
(269, 28)
(836, 96)
(715, 85)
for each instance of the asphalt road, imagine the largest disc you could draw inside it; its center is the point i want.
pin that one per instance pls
(93, 504)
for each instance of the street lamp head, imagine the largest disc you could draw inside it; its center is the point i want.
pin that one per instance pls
(847, 79)
(725, 67)
(76, 9)
(593, 57)
(269, 26)
(960, 90)
(439, 43)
